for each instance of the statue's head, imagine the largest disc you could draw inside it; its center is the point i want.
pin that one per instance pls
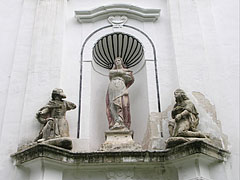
(58, 93)
(180, 94)
(118, 63)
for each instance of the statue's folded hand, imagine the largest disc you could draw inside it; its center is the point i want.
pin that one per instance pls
(178, 117)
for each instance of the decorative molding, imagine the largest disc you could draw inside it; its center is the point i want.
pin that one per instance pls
(117, 21)
(120, 174)
(103, 12)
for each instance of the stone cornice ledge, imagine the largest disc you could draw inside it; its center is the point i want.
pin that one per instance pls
(103, 12)
(66, 157)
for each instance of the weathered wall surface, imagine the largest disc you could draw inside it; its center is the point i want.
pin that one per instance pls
(197, 45)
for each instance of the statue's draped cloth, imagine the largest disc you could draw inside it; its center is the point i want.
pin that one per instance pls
(56, 111)
(190, 119)
(117, 99)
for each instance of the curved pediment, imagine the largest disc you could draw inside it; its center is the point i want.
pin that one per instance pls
(103, 12)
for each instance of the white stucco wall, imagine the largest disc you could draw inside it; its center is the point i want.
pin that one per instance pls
(197, 45)
(17, 20)
(9, 32)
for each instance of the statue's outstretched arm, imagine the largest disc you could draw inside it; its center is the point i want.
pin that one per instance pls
(70, 105)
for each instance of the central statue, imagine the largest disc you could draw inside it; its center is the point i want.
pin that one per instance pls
(119, 137)
(117, 99)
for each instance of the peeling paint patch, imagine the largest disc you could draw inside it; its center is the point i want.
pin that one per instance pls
(204, 104)
(157, 129)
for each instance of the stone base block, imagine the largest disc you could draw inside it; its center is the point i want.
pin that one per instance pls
(63, 142)
(174, 141)
(119, 140)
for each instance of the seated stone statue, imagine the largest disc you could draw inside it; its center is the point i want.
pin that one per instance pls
(184, 120)
(52, 116)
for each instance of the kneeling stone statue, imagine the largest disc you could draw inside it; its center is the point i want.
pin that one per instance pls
(183, 126)
(52, 116)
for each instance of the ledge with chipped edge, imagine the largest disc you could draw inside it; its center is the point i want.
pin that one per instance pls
(66, 157)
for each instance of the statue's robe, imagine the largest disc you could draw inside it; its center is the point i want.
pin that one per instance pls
(55, 111)
(189, 120)
(58, 111)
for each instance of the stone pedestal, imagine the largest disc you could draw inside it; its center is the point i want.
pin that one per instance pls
(119, 140)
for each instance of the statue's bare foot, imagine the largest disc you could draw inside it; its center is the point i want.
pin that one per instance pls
(41, 140)
(118, 126)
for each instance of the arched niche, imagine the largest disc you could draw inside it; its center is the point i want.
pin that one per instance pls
(93, 120)
(144, 97)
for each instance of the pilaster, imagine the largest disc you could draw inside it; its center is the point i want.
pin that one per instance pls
(41, 170)
(44, 68)
(188, 43)
(193, 168)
